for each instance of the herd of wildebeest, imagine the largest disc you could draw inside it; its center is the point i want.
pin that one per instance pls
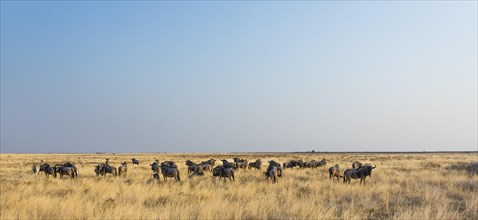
(226, 171)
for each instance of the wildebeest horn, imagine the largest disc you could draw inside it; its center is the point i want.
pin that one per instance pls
(374, 166)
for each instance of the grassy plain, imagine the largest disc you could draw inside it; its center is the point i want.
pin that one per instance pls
(403, 186)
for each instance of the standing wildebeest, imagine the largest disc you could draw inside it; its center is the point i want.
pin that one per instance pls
(228, 164)
(193, 167)
(335, 172)
(123, 169)
(240, 163)
(315, 164)
(356, 165)
(134, 161)
(359, 173)
(66, 170)
(105, 169)
(47, 169)
(224, 172)
(273, 171)
(256, 164)
(169, 169)
(155, 166)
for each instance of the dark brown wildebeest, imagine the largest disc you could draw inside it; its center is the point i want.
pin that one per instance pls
(169, 169)
(205, 166)
(105, 169)
(123, 169)
(335, 172)
(98, 169)
(211, 162)
(47, 169)
(154, 178)
(224, 172)
(288, 164)
(272, 172)
(356, 165)
(279, 168)
(240, 163)
(155, 166)
(257, 164)
(134, 161)
(193, 167)
(199, 173)
(228, 164)
(64, 170)
(359, 173)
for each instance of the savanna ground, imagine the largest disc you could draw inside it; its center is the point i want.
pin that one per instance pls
(404, 186)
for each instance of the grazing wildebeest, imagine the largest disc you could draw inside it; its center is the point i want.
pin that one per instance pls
(154, 178)
(34, 169)
(134, 161)
(105, 169)
(199, 173)
(123, 169)
(257, 164)
(47, 169)
(228, 164)
(224, 172)
(356, 165)
(169, 169)
(359, 173)
(335, 172)
(66, 170)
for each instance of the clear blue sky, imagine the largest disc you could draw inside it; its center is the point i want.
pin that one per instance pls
(238, 76)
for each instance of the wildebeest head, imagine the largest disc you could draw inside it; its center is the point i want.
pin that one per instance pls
(124, 163)
(34, 169)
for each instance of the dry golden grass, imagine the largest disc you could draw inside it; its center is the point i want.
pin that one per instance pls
(403, 186)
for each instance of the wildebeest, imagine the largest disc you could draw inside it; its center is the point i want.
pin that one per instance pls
(34, 169)
(134, 161)
(335, 172)
(279, 168)
(356, 164)
(240, 163)
(49, 170)
(105, 169)
(211, 162)
(359, 173)
(257, 164)
(66, 170)
(228, 164)
(293, 163)
(224, 172)
(273, 171)
(169, 169)
(154, 178)
(193, 167)
(123, 169)
(155, 166)
(199, 173)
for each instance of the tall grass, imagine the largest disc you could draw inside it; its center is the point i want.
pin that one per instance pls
(405, 186)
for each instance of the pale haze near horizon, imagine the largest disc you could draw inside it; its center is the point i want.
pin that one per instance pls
(238, 76)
